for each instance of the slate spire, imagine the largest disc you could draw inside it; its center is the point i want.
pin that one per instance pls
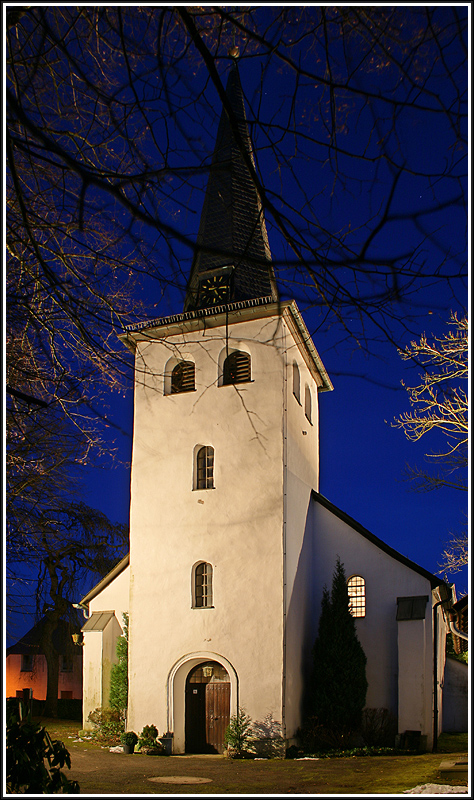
(232, 259)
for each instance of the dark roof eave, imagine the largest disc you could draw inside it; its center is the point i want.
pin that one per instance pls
(461, 604)
(433, 579)
(201, 313)
(310, 354)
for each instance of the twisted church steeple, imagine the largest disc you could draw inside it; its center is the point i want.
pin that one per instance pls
(232, 259)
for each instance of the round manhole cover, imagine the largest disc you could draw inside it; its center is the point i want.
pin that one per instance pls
(180, 779)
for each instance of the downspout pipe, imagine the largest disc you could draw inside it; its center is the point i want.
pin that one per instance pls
(85, 609)
(453, 628)
(435, 674)
(443, 589)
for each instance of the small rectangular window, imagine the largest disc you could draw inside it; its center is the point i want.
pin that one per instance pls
(66, 664)
(411, 607)
(26, 663)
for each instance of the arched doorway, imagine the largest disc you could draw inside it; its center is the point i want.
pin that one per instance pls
(207, 709)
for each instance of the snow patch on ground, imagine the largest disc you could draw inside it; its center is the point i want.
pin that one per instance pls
(436, 788)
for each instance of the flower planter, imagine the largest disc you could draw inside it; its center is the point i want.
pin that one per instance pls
(167, 742)
(128, 741)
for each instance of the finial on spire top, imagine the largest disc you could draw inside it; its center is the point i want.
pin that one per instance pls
(234, 52)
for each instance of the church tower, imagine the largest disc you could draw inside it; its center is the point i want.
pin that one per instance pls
(225, 456)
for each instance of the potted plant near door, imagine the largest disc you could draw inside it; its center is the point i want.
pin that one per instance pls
(128, 740)
(148, 743)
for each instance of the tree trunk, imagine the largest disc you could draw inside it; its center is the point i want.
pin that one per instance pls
(52, 664)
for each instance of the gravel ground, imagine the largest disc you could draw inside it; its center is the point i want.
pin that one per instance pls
(426, 788)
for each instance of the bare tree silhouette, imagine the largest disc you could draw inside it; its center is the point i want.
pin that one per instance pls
(110, 126)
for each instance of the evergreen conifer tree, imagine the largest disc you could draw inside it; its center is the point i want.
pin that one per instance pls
(119, 674)
(339, 683)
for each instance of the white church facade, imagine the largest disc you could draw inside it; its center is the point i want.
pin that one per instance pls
(231, 542)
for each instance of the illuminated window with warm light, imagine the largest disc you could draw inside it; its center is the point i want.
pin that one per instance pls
(356, 591)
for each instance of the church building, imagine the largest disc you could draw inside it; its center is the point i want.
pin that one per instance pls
(231, 542)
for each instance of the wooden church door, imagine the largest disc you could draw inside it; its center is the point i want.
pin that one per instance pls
(207, 712)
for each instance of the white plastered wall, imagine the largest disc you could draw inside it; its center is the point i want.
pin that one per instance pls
(92, 676)
(386, 579)
(99, 646)
(110, 634)
(236, 527)
(301, 454)
(414, 683)
(114, 597)
(455, 696)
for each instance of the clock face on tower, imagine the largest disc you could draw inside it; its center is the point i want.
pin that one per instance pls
(214, 290)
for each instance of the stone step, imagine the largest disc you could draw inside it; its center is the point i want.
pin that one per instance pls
(454, 769)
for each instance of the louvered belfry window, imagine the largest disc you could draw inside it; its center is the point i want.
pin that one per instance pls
(205, 468)
(203, 585)
(236, 368)
(182, 377)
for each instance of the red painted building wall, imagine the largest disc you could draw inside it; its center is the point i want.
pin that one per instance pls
(30, 672)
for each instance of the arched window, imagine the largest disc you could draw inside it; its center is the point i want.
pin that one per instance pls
(182, 377)
(307, 403)
(236, 368)
(296, 381)
(356, 591)
(205, 468)
(202, 585)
